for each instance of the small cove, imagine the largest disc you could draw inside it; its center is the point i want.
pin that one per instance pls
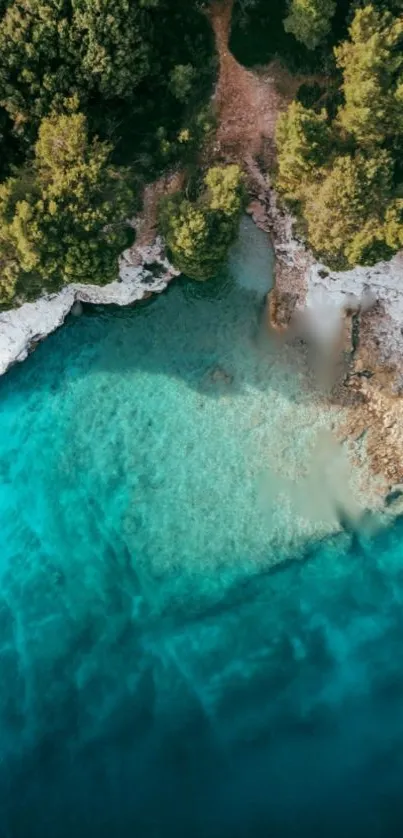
(156, 464)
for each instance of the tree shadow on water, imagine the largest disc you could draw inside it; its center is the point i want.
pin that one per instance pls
(212, 335)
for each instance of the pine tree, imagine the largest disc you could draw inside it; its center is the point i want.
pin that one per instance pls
(372, 65)
(63, 219)
(303, 143)
(198, 234)
(310, 20)
(345, 213)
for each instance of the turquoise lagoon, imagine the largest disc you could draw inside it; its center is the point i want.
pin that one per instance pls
(188, 645)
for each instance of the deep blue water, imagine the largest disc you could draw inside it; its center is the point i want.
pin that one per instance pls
(160, 674)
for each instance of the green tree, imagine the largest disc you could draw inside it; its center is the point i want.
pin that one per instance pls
(3, 6)
(303, 140)
(310, 20)
(63, 220)
(394, 224)
(225, 192)
(181, 81)
(50, 49)
(341, 175)
(36, 59)
(113, 49)
(199, 234)
(345, 212)
(372, 65)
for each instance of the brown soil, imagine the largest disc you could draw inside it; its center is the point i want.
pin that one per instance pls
(146, 221)
(247, 103)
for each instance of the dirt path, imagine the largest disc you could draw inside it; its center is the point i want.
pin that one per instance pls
(248, 103)
(146, 221)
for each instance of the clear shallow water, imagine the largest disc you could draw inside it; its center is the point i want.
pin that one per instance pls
(159, 676)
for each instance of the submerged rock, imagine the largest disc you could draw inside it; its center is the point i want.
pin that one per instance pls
(217, 379)
(77, 309)
(220, 376)
(394, 495)
(281, 309)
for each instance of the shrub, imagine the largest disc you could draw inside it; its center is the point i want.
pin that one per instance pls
(310, 20)
(63, 220)
(198, 234)
(303, 142)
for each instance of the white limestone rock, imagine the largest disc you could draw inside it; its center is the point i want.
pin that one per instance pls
(142, 271)
(324, 293)
(382, 283)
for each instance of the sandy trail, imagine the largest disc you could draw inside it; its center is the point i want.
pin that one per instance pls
(247, 103)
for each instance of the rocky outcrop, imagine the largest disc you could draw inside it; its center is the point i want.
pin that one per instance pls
(143, 271)
(281, 309)
(316, 288)
(359, 314)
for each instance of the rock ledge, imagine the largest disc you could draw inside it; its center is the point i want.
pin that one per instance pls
(359, 313)
(143, 271)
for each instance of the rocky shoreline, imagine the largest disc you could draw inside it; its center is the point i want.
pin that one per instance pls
(359, 313)
(143, 271)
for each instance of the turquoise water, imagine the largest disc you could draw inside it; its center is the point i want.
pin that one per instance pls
(161, 673)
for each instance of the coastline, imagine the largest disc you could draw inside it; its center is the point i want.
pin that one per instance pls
(143, 271)
(356, 313)
(359, 314)
(361, 310)
(365, 300)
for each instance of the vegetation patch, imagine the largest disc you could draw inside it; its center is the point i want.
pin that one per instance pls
(341, 169)
(100, 99)
(139, 107)
(198, 233)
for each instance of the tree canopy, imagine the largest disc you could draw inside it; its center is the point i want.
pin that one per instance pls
(72, 71)
(199, 233)
(342, 174)
(304, 140)
(115, 51)
(310, 20)
(372, 65)
(102, 50)
(36, 61)
(63, 218)
(345, 212)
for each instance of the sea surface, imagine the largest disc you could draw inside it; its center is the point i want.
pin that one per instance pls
(190, 646)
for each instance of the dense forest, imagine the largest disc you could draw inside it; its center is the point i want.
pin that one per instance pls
(98, 97)
(340, 155)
